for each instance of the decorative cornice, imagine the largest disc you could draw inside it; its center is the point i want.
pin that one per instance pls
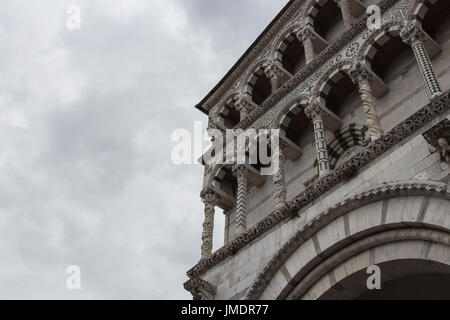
(376, 148)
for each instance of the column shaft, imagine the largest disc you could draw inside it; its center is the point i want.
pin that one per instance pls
(413, 35)
(314, 113)
(362, 78)
(279, 179)
(346, 12)
(372, 120)
(241, 198)
(209, 200)
(306, 36)
(426, 68)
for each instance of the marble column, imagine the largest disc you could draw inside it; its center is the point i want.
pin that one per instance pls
(279, 178)
(314, 112)
(306, 36)
(414, 36)
(362, 78)
(209, 199)
(274, 73)
(344, 5)
(240, 172)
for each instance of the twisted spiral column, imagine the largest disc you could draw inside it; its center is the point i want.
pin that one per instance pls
(209, 199)
(240, 172)
(414, 36)
(314, 112)
(361, 77)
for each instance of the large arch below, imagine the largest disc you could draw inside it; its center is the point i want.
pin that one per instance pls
(407, 275)
(381, 218)
(412, 254)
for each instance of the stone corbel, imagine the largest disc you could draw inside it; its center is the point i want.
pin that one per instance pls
(200, 289)
(439, 138)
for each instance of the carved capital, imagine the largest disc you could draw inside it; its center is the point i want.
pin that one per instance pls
(313, 110)
(243, 105)
(306, 32)
(209, 197)
(412, 33)
(273, 71)
(358, 74)
(239, 171)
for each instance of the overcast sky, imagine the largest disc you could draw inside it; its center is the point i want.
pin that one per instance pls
(86, 119)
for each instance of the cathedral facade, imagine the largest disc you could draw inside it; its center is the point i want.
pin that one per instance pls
(364, 123)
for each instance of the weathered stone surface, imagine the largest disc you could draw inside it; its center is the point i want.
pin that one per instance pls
(309, 228)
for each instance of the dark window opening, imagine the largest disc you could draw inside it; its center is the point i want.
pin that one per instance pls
(262, 89)
(327, 18)
(294, 56)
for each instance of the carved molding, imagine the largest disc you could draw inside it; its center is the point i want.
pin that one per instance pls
(259, 56)
(200, 289)
(385, 191)
(390, 139)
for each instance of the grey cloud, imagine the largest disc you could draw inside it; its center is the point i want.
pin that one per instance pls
(85, 139)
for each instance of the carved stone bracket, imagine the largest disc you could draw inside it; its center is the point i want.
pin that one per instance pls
(439, 138)
(200, 289)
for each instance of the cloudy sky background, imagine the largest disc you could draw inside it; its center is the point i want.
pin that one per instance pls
(86, 119)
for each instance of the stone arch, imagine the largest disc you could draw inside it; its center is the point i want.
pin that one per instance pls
(344, 140)
(225, 111)
(253, 76)
(419, 9)
(329, 79)
(376, 40)
(283, 41)
(323, 16)
(311, 11)
(289, 51)
(430, 15)
(404, 248)
(333, 236)
(284, 118)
